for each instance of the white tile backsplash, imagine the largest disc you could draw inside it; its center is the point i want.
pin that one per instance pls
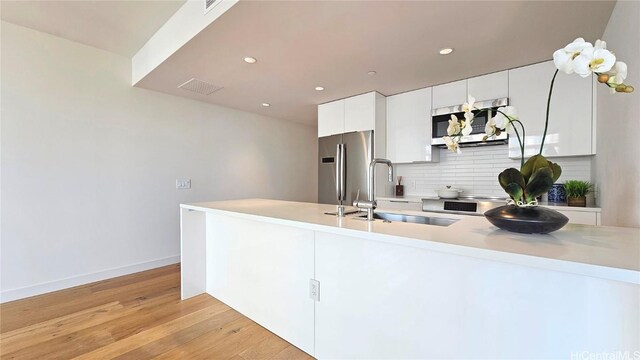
(476, 171)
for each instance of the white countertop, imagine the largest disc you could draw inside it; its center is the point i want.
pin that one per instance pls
(599, 251)
(556, 206)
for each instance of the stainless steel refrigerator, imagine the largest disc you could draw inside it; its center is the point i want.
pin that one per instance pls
(343, 165)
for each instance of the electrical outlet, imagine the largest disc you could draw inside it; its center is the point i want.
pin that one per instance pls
(413, 184)
(183, 183)
(314, 289)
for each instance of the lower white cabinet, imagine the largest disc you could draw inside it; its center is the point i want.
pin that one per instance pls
(263, 271)
(384, 204)
(380, 300)
(384, 301)
(582, 217)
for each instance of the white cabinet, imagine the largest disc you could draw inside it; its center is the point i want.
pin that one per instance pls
(571, 119)
(263, 271)
(358, 113)
(582, 217)
(385, 204)
(384, 301)
(454, 93)
(489, 87)
(331, 118)
(409, 127)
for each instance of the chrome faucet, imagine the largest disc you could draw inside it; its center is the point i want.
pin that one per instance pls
(370, 204)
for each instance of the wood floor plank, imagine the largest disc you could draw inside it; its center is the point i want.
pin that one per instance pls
(57, 327)
(171, 329)
(16, 310)
(292, 353)
(266, 349)
(201, 344)
(181, 337)
(31, 313)
(138, 316)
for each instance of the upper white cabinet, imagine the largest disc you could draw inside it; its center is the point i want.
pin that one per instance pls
(358, 113)
(409, 127)
(454, 93)
(331, 118)
(489, 87)
(571, 118)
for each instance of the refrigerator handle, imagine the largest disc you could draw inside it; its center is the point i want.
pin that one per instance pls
(339, 173)
(343, 164)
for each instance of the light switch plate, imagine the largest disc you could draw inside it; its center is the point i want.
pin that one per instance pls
(183, 183)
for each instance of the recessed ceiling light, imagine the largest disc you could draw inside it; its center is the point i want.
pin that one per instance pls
(250, 60)
(446, 51)
(371, 73)
(266, 104)
(319, 88)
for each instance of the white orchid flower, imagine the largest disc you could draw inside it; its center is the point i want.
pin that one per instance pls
(501, 121)
(468, 116)
(490, 128)
(468, 106)
(600, 44)
(466, 127)
(593, 60)
(618, 73)
(452, 144)
(563, 58)
(454, 126)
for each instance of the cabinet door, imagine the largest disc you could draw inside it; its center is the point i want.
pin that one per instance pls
(386, 301)
(581, 217)
(489, 87)
(360, 112)
(409, 127)
(450, 94)
(331, 118)
(570, 116)
(263, 270)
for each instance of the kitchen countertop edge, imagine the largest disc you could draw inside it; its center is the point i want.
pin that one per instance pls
(385, 233)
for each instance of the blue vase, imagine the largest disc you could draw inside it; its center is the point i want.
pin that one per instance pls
(557, 194)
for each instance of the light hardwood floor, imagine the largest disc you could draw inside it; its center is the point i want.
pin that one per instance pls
(138, 316)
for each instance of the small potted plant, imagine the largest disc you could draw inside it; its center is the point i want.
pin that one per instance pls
(577, 191)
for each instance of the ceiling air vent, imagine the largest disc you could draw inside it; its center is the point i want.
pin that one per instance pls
(210, 4)
(200, 87)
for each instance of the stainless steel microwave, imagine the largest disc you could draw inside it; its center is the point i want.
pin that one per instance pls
(440, 121)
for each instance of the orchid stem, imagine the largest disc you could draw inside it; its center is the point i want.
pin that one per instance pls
(520, 140)
(546, 122)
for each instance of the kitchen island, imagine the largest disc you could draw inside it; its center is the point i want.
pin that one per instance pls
(348, 288)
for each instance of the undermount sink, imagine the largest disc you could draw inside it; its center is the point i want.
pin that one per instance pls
(416, 219)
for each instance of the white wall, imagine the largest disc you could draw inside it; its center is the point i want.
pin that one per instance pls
(617, 163)
(89, 164)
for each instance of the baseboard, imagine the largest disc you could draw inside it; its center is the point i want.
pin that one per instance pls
(43, 288)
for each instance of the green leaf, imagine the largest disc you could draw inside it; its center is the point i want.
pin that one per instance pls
(539, 183)
(532, 165)
(509, 176)
(556, 169)
(515, 191)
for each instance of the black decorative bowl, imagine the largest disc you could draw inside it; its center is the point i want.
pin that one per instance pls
(527, 220)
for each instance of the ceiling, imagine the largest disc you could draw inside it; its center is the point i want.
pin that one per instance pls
(121, 27)
(300, 45)
(303, 44)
